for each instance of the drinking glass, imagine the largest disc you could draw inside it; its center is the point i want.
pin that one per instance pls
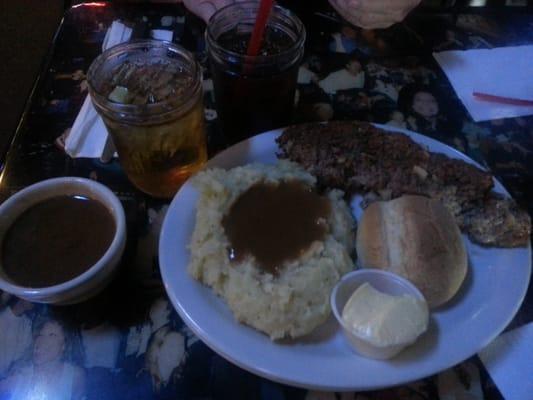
(149, 95)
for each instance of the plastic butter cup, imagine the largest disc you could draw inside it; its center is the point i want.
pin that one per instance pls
(385, 282)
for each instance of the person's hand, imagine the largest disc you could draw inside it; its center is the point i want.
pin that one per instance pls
(372, 14)
(205, 8)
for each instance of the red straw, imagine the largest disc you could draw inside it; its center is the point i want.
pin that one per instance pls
(502, 100)
(259, 28)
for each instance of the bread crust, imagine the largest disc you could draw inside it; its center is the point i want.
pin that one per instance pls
(417, 238)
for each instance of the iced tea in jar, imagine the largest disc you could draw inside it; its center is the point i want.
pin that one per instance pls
(149, 95)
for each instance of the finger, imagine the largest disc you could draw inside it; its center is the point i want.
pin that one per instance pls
(202, 9)
(341, 6)
(401, 7)
(205, 8)
(365, 20)
(376, 21)
(377, 24)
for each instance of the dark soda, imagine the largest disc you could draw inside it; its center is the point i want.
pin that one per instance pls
(254, 94)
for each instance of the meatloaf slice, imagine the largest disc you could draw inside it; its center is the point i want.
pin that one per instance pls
(354, 156)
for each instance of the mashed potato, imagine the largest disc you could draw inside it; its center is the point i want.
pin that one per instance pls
(295, 301)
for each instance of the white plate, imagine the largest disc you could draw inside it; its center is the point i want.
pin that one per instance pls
(492, 293)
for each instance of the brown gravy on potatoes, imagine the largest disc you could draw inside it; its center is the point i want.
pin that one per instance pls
(56, 240)
(275, 223)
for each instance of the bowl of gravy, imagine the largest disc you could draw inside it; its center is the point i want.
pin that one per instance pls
(61, 240)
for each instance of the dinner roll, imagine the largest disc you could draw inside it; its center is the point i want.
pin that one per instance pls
(417, 238)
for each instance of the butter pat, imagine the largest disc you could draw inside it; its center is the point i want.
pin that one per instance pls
(381, 323)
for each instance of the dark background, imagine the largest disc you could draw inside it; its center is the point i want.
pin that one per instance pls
(27, 28)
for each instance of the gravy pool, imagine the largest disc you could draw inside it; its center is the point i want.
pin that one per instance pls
(56, 240)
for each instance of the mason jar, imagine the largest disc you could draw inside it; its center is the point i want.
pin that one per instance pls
(149, 95)
(254, 93)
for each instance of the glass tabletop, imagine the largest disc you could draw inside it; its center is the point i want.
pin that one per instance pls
(128, 342)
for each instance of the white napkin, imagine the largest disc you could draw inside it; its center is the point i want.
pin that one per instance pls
(505, 72)
(509, 361)
(88, 135)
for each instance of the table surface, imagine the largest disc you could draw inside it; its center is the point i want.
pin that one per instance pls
(116, 344)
